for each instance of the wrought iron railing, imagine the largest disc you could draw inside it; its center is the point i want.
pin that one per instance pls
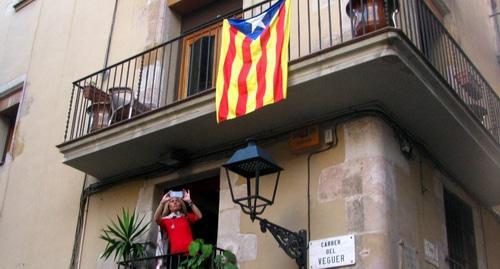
(185, 66)
(446, 56)
(171, 261)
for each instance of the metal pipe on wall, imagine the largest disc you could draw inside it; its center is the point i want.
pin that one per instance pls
(110, 37)
(84, 199)
(495, 15)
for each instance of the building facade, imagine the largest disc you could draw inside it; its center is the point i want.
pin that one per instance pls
(390, 132)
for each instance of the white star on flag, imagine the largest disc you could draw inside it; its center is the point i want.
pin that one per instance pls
(257, 22)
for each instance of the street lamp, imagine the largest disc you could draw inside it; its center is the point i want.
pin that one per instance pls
(253, 163)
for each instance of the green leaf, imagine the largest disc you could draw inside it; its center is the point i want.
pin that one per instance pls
(230, 266)
(191, 262)
(121, 237)
(206, 250)
(113, 228)
(194, 247)
(229, 256)
(138, 231)
(198, 262)
(121, 221)
(184, 263)
(218, 260)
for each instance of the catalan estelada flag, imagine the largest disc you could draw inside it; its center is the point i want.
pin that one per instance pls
(253, 63)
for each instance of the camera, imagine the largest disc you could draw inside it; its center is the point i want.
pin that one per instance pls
(176, 194)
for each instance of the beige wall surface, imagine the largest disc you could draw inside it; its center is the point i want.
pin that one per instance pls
(17, 32)
(50, 43)
(491, 238)
(102, 209)
(140, 25)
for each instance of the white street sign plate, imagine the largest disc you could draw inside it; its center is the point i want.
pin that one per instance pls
(332, 252)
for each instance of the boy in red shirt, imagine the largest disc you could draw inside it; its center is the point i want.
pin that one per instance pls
(173, 218)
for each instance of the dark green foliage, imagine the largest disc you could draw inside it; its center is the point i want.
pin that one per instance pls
(199, 257)
(226, 261)
(122, 238)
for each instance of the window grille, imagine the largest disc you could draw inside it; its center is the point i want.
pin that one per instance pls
(460, 233)
(201, 65)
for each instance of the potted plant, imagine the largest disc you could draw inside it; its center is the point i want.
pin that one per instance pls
(199, 254)
(122, 238)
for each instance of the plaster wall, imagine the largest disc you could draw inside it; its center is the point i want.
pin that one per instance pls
(17, 32)
(103, 208)
(491, 238)
(140, 25)
(45, 46)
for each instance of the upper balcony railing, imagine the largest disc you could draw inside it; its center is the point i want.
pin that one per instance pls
(185, 66)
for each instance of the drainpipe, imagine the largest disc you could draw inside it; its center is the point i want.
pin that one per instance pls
(496, 23)
(110, 37)
(76, 256)
(80, 228)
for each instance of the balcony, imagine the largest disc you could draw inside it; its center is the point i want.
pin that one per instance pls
(345, 56)
(171, 261)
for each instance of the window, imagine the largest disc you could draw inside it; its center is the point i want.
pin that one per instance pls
(199, 50)
(460, 233)
(199, 62)
(9, 105)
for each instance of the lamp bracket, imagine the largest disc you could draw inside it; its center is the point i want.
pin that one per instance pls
(293, 243)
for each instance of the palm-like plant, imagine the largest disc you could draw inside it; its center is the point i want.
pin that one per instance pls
(122, 238)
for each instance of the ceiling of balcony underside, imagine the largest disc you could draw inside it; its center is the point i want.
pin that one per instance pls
(319, 86)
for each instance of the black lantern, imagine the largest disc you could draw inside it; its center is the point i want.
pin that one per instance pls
(253, 163)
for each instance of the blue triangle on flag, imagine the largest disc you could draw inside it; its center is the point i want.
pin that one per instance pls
(253, 27)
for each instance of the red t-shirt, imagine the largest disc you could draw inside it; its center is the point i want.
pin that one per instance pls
(179, 232)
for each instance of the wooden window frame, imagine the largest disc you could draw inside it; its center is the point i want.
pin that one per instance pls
(186, 45)
(7, 102)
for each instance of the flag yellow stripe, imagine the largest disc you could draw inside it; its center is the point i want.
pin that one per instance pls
(224, 46)
(252, 85)
(235, 73)
(284, 55)
(271, 63)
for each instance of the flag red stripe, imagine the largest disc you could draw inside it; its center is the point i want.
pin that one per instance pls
(241, 106)
(278, 74)
(228, 64)
(261, 69)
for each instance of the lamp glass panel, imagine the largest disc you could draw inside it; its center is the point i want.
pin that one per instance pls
(266, 186)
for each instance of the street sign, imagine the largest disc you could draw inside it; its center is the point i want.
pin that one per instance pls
(332, 252)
